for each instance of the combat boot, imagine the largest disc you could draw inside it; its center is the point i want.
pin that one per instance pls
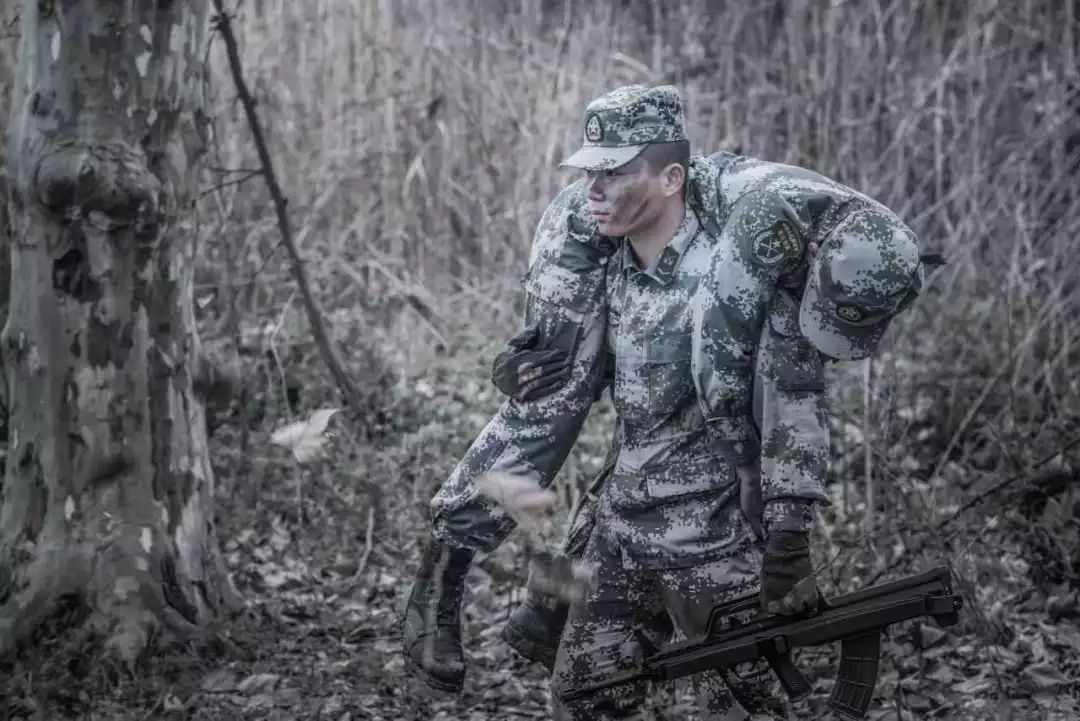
(534, 628)
(431, 629)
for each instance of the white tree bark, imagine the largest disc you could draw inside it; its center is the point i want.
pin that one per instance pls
(108, 491)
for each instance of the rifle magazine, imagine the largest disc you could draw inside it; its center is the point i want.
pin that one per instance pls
(857, 675)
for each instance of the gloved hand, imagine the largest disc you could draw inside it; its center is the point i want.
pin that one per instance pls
(750, 497)
(787, 578)
(524, 372)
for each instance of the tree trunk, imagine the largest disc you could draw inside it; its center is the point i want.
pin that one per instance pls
(7, 69)
(108, 490)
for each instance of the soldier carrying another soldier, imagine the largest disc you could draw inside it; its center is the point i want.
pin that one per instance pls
(675, 281)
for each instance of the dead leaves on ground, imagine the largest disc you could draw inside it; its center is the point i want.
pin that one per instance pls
(307, 438)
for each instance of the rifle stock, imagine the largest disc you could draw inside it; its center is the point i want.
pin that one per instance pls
(855, 619)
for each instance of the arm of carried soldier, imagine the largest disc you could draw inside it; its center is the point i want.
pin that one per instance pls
(565, 316)
(790, 408)
(559, 351)
(761, 241)
(564, 303)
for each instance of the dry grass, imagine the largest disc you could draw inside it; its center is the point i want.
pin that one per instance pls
(419, 142)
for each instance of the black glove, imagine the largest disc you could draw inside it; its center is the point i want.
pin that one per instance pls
(787, 578)
(524, 372)
(750, 497)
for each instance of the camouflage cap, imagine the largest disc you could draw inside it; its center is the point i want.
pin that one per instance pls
(867, 271)
(620, 124)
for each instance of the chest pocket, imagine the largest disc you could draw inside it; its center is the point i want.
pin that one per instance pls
(560, 301)
(797, 366)
(667, 372)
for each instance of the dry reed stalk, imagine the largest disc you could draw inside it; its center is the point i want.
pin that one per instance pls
(962, 116)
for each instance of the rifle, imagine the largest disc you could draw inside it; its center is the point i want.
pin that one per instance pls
(855, 619)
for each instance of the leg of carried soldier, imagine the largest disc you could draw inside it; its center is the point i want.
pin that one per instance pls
(464, 523)
(565, 321)
(530, 441)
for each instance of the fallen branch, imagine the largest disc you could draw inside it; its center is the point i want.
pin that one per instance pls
(976, 500)
(349, 389)
(369, 545)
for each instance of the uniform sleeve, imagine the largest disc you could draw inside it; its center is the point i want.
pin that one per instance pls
(564, 290)
(790, 409)
(761, 241)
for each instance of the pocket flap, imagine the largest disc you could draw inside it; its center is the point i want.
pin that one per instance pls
(668, 348)
(682, 478)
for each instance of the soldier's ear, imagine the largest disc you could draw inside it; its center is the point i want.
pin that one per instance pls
(674, 178)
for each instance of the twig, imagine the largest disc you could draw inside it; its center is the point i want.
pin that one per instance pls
(348, 388)
(369, 543)
(991, 645)
(232, 171)
(984, 495)
(225, 184)
(868, 454)
(369, 546)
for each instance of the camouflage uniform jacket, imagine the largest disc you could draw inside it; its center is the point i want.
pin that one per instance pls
(769, 212)
(672, 498)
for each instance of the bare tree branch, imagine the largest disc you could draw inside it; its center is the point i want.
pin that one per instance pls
(349, 389)
(225, 184)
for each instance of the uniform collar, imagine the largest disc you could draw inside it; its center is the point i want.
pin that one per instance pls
(662, 268)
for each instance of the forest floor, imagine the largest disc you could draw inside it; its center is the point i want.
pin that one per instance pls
(324, 589)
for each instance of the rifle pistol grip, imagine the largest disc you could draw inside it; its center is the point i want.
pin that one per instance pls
(778, 653)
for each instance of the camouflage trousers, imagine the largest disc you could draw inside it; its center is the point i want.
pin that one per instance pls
(631, 611)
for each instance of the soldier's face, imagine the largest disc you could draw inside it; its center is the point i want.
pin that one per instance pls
(625, 198)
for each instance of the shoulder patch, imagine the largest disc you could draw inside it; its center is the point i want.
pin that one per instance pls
(775, 244)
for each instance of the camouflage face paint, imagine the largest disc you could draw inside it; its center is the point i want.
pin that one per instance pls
(625, 199)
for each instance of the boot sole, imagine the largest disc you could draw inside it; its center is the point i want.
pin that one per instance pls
(530, 648)
(421, 674)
